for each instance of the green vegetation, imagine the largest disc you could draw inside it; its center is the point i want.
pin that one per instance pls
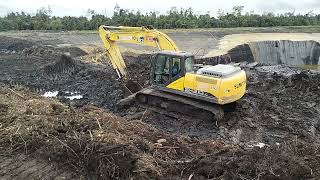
(175, 18)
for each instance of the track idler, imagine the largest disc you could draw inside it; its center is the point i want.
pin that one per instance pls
(178, 106)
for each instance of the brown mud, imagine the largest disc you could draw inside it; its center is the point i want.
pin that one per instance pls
(94, 138)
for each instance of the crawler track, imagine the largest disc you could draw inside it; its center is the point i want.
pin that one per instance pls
(178, 106)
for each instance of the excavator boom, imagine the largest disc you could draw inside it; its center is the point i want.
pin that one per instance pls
(110, 35)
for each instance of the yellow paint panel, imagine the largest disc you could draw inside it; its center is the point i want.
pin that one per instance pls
(177, 84)
(225, 90)
(232, 88)
(189, 80)
(206, 79)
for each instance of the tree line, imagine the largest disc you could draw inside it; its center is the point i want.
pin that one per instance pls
(174, 18)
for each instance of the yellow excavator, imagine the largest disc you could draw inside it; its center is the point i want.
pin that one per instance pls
(178, 86)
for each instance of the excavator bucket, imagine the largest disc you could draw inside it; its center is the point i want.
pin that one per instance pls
(132, 86)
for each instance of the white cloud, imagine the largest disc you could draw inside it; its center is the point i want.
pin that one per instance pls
(78, 8)
(286, 5)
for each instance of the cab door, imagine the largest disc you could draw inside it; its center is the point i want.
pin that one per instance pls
(177, 74)
(190, 75)
(168, 71)
(161, 70)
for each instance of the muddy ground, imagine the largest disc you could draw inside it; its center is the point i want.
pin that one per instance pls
(272, 134)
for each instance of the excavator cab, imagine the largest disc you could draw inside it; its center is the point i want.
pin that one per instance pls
(169, 66)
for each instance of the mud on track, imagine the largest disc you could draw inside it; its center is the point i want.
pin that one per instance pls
(280, 109)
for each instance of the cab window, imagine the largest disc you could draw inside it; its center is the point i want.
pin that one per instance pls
(189, 64)
(162, 64)
(176, 66)
(162, 69)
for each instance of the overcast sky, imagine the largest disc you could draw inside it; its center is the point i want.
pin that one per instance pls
(80, 7)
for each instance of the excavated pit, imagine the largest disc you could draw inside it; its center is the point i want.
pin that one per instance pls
(286, 52)
(78, 81)
(278, 115)
(291, 53)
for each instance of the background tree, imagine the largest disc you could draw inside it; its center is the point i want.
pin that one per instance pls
(174, 18)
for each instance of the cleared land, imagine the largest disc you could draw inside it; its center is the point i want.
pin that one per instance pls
(273, 133)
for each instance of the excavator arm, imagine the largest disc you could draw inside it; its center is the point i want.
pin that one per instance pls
(110, 35)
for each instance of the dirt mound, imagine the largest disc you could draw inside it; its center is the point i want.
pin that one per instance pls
(139, 68)
(91, 141)
(294, 160)
(98, 145)
(97, 84)
(14, 44)
(276, 108)
(49, 51)
(27, 48)
(64, 65)
(40, 107)
(73, 51)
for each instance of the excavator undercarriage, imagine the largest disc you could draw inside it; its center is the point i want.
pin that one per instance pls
(177, 105)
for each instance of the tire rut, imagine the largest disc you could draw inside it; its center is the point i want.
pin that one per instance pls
(24, 167)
